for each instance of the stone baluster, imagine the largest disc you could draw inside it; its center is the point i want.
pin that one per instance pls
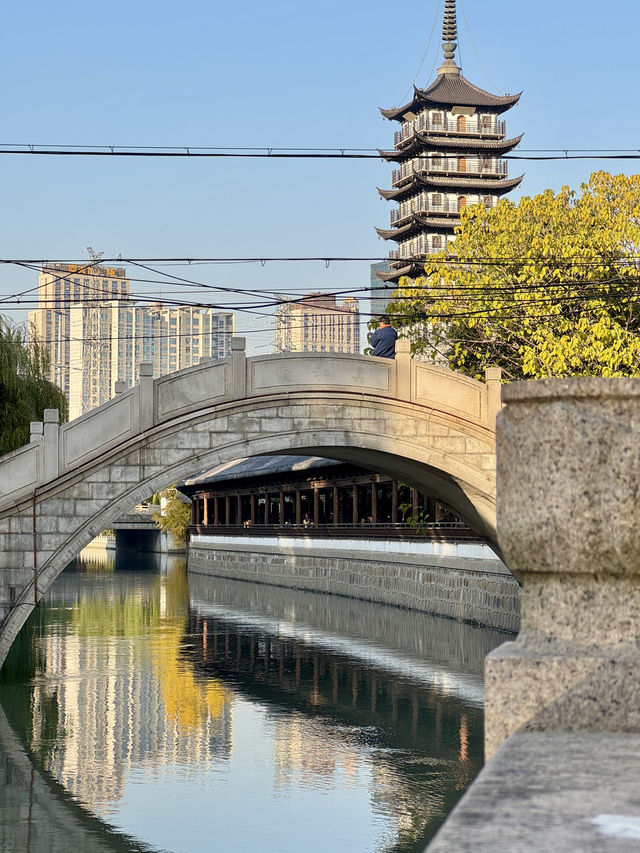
(239, 368)
(568, 516)
(403, 369)
(145, 395)
(51, 443)
(493, 379)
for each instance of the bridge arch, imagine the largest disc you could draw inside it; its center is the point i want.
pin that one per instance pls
(426, 426)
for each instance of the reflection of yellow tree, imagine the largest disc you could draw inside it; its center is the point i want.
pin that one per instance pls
(162, 614)
(188, 702)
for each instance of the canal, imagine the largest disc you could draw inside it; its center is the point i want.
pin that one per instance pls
(141, 711)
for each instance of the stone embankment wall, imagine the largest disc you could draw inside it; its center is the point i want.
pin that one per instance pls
(467, 583)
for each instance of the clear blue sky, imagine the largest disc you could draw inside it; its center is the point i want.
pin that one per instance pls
(275, 74)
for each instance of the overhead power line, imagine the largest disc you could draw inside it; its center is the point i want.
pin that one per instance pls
(268, 153)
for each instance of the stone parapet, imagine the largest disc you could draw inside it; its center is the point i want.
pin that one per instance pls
(568, 519)
(550, 792)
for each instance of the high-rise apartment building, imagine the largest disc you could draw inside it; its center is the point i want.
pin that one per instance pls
(96, 336)
(184, 335)
(59, 287)
(318, 323)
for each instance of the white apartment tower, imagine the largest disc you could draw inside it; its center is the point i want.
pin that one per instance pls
(96, 336)
(318, 323)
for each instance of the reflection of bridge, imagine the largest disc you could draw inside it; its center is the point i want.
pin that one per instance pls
(429, 426)
(38, 814)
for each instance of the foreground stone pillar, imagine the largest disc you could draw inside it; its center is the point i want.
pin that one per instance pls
(568, 510)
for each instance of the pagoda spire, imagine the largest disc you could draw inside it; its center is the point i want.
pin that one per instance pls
(449, 39)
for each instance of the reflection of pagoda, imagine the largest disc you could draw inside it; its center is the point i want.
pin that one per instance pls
(449, 148)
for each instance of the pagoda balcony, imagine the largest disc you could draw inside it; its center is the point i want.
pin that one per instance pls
(476, 126)
(450, 167)
(423, 205)
(417, 248)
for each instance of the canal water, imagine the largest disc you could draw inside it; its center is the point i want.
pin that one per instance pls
(141, 710)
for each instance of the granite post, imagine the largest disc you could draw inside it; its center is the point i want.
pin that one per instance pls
(568, 520)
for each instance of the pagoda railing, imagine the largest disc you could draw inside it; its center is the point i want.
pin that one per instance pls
(491, 167)
(424, 205)
(459, 126)
(418, 247)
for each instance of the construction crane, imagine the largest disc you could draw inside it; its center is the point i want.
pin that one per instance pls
(95, 256)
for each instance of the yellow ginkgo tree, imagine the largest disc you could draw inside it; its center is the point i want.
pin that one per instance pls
(549, 286)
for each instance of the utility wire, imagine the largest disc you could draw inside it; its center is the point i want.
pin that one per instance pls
(292, 154)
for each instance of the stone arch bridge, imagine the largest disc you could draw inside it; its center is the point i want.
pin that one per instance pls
(427, 426)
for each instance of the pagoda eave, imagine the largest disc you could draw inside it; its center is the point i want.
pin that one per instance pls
(411, 268)
(492, 186)
(452, 90)
(421, 141)
(416, 225)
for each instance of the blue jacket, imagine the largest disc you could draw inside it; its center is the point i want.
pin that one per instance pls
(383, 342)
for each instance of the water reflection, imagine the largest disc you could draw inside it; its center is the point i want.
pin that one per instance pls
(174, 717)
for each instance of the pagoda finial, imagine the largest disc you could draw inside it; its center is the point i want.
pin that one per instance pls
(449, 38)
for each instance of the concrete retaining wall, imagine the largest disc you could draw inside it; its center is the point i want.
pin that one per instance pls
(472, 588)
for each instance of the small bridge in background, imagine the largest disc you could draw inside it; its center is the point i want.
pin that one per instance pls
(426, 426)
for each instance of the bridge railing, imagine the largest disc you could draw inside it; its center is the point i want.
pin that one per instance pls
(56, 450)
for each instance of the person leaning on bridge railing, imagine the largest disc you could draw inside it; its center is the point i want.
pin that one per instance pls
(383, 340)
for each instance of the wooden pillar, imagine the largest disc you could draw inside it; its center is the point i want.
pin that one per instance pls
(216, 511)
(239, 519)
(253, 509)
(266, 507)
(336, 507)
(316, 505)
(205, 507)
(356, 512)
(374, 503)
(281, 507)
(394, 502)
(298, 509)
(227, 507)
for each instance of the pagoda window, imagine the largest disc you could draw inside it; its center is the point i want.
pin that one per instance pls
(436, 200)
(462, 124)
(486, 123)
(436, 119)
(486, 164)
(488, 202)
(462, 164)
(462, 202)
(436, 242)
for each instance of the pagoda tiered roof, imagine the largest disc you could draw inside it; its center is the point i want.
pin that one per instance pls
(421, 141)
(451, 90)
(417, 224)
(410, 269)
(495, 186)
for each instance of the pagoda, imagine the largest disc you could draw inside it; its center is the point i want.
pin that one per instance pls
(449, 149)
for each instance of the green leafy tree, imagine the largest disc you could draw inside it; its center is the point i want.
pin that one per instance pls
(545, 287)
(175, 517)
(24, 392)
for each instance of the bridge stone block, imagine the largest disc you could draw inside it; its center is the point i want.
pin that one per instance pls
(105, 491)
(124, 473)
(194, 440)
